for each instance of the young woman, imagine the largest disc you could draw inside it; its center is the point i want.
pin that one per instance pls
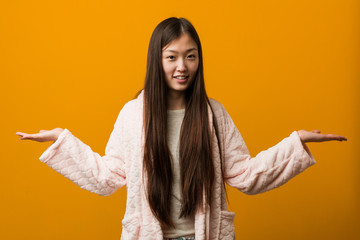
(175, 148)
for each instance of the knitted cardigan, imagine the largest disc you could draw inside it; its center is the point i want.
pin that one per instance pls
(123, 160)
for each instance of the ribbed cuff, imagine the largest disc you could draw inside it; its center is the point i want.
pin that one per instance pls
(305, 150)
(51, 150)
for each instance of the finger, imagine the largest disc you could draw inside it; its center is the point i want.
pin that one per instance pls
(43, 131)
(316, 131)
(29, 136)
(23, 137)
(342, 138)
(336, 137)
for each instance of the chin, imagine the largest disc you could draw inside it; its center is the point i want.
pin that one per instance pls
(179, 89)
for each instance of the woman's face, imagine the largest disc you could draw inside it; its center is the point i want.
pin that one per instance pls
(180, 61)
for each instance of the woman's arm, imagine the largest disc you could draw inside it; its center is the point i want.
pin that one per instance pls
(75, 160)
(72, 158)
(267, 170)
(270, 168)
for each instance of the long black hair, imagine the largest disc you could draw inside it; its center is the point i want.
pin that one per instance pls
(195, 153)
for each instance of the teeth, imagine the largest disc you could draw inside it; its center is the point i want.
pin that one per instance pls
(180, 77)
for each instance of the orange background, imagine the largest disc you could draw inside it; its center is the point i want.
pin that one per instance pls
(276, 66)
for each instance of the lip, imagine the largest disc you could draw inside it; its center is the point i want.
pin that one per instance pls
(183, 75)
(181, 80)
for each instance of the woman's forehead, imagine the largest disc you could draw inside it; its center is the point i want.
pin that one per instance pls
(183, 43)
(187, 50)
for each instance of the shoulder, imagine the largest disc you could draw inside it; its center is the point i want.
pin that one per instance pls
(135, 105)
(220, 113)
(129, 112)
(218, 108)
(130, 106)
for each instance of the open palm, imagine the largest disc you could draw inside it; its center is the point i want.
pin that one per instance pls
(316, 136)
(42, 136)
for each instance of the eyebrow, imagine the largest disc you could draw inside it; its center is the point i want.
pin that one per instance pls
(189, 50)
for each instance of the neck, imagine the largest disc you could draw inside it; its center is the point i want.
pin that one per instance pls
(176, 100)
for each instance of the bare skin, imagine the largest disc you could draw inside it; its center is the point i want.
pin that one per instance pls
(42, 136)
(305, 136)
(316, 136)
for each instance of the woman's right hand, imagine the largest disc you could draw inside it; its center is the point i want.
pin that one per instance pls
(42, 136)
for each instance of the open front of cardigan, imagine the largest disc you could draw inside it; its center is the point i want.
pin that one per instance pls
(122, 165)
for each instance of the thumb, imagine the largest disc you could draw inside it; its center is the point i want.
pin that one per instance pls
(316, 131)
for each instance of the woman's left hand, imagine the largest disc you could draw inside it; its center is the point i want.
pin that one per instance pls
(316, 136)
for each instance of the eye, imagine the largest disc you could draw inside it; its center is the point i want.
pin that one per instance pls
(192, 56)
(171, 57)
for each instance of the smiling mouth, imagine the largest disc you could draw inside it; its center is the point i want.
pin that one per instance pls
(182, 77)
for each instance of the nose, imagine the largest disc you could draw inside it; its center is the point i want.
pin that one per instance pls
(181, 67)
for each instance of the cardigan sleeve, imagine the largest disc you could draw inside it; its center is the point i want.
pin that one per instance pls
(267, 170)
(72, 158)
